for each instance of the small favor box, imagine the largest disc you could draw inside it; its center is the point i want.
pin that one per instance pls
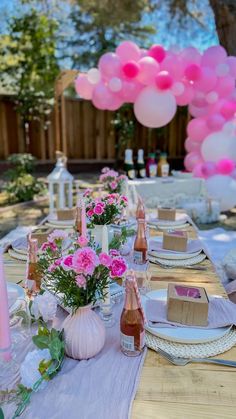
(66, 214)
(41, 235)
(187, 305)
(175, 240)
(167, 214)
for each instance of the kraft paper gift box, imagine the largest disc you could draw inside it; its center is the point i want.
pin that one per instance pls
(41, 235)
(187, 305)
(175, 240)
(66, 214)
(167, 214)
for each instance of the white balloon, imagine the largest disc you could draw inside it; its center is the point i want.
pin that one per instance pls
(229, 128)
(94, 76)
(217, 146)
(154, 108)
(223, 189)
(115, 84)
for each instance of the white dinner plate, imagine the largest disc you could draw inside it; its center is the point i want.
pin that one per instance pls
(181, 219)
(20, 245)
(58, 223)
(181, 263)
(170, 256)
(17, 255)
(193, 246)
(15, 296)
(181, 334)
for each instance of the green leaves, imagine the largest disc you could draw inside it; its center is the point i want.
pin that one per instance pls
(52, 340)
(1, 413)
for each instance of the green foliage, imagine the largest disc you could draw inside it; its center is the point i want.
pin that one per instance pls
(1, 413)
(124, 126)
(22, 185)
(101, 25)
(28, 64)
(119, 239)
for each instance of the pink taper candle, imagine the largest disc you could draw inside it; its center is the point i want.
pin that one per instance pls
(5, 336)
(83, 220)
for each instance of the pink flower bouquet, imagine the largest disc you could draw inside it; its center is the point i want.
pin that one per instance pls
(112, 181)
(106, 210)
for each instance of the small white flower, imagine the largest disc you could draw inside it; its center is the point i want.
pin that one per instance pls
(29, 368)
(45, 306)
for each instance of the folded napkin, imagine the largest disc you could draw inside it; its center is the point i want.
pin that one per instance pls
(221, 313)
(12, 297)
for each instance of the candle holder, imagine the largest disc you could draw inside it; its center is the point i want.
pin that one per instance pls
(107, 315)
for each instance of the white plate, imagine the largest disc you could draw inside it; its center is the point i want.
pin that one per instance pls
(181, 334)
(62, 226)
(181, 219)
(15, 296)
(17, 255)
(193, 246)
(176, 256)
(20, 245)
(178, 263)
(56, 222)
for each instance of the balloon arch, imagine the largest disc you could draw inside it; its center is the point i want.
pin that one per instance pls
(156, 81)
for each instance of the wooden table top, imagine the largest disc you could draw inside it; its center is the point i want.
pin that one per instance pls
(165, 391)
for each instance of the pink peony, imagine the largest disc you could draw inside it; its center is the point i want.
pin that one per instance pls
(82, 241)
(90, 213)
(105, 259)
(85, 260)
(98, 210)
(118, 267)
(80, 281)
(113, 184)
(67, 262)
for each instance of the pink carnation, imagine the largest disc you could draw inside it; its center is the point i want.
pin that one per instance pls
(90, 213)
(52, 267)
(85, 260)
(118, 267)
(80, 281)
(111, 201)
(82, 241)
(105, 259)
(113, 185)
(67, 262)
(122, 177)
(114, 252)
(105, 169)
(48, 245)
(58, 262)
(87, 192)
(57, 235)
(98, 210)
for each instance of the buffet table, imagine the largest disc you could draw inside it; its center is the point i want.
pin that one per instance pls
(167, 391)
(167, 191)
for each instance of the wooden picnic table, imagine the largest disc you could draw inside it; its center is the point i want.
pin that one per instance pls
(165, 391)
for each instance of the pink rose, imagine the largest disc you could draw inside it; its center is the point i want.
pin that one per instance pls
(113, 185)
(80, 281)
(105, 259)
(114, 252)
(98, 210)
(90, 213)
(82, 241)
(118, 267)
(67, 262)
(85, 261)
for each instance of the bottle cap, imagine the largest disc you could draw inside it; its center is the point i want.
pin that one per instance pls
(128, 154)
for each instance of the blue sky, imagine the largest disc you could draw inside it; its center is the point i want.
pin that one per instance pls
(169, 33)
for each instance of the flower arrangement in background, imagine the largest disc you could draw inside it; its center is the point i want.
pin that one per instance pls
(106, 210)
(112, 181)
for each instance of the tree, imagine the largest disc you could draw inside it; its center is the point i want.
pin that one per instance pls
(101, 25)
(224, 14)
(29, 65)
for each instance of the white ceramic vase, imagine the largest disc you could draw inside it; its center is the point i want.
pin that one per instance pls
(84, 333)
(96, 232)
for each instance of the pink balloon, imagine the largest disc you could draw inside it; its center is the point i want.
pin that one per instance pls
(157, 52)
(131, 69)
(109, 65)
(215, 122)
(102, 97)
(207, 80)
(130, 90)
(173, 65)
(149, 68)
(225, 86)
(228, 109)
(231, 61)
(186, 97)
(115, 103)
(209, 169)
(163, 80)
(197, 171)
(190, 55)
(199, 100)
(128, 51)
(191, 145)
(211, 97)
(115, 84)
(191, 160)
(83, 87)
(225, 166)
(213, 56)
(193, 72)
(233, 174)
(197, 129)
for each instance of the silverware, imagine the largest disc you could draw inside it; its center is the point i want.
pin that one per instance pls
(184, 361)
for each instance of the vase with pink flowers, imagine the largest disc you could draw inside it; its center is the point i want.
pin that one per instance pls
(80, 278)
(112, 181)
(104, 211)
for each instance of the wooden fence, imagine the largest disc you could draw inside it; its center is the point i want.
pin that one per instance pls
(89, 134)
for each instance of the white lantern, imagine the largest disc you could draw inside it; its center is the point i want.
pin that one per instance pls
(60, 183)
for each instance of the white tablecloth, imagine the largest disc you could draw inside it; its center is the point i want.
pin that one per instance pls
(167, 191)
